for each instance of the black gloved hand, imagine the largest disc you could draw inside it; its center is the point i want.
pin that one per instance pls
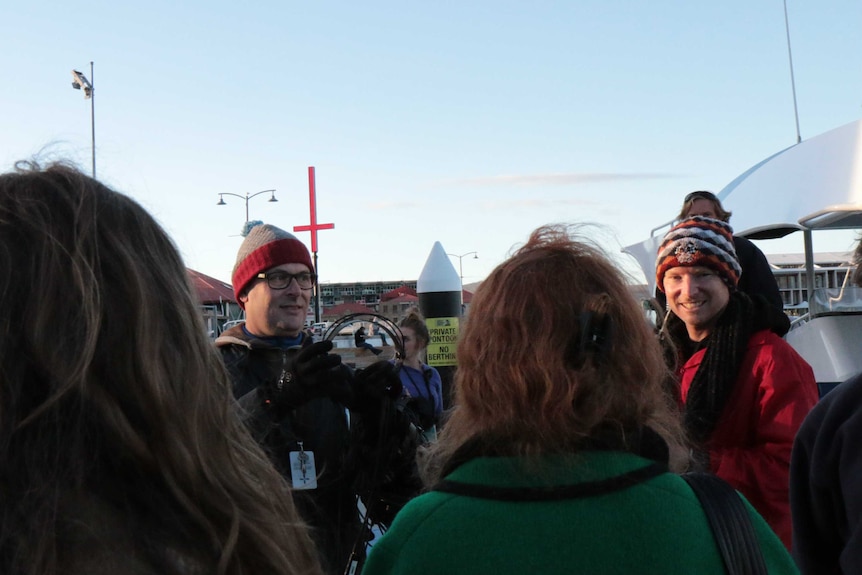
(373, 384)
(312, 372)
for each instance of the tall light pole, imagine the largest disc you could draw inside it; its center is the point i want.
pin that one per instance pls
(460, 268)
(80, 82)
(246, 197)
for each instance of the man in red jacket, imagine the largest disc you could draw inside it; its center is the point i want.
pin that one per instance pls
(743, 389)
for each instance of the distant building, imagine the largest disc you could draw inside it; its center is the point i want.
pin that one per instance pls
(365, 293)
(391, 299)
(830, 271)
(216, 299)
(397, 308)
(343, 309)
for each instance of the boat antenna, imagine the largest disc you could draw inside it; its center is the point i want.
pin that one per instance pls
(792, 79)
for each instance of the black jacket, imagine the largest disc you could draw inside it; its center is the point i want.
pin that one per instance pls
(825, 490)
(322, 427)
(757, 276)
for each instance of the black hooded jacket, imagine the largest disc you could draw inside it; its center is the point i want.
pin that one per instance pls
(321, 425)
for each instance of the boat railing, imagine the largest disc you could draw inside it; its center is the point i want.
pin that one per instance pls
(844, 300)
(799, 320)
(835, 301)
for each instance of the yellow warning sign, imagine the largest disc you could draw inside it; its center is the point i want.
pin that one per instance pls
(443, 335)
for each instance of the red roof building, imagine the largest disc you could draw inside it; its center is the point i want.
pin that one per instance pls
(398, 292)
(396, 308)
(341, 310)
(466, 297)
(209, 289)
(217, 301)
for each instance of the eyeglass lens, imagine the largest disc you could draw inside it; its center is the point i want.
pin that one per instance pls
(280, 280)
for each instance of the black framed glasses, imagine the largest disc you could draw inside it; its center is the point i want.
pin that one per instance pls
(701, 195)
(281, 279)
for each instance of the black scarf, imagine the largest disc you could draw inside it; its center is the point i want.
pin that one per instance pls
(726, 347)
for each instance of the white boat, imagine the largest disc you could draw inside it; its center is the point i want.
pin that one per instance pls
(810, 186)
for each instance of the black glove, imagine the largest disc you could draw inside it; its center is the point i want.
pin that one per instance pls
(312, 372)
(373, 384)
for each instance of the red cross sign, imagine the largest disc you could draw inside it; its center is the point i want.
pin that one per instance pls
(312, 202)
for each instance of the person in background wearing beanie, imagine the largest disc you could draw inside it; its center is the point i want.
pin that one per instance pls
(293, 391)
(825, 491)
(756, 278)
(743, 390)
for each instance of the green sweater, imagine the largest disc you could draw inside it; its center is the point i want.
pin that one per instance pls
(654, 526)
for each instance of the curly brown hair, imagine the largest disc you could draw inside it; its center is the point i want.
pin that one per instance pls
(555, 348)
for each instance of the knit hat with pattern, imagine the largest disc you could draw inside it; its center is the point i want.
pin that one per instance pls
(266, 246)
(699, 241)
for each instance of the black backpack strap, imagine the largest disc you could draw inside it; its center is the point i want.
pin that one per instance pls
(730, 522)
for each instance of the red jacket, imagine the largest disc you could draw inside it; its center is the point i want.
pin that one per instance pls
(750, 446)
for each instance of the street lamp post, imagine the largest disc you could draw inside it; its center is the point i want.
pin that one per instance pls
(80, 82)
(246, 197)
(460, 268)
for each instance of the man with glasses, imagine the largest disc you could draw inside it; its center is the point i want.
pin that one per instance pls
(294, 392)
(757, 278)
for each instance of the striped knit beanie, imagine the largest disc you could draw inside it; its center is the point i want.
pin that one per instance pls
(699, 241)
(265, 246)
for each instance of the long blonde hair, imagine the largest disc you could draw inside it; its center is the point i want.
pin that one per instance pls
(110, 387)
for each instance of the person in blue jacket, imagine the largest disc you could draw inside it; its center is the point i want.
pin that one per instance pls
(420, 382)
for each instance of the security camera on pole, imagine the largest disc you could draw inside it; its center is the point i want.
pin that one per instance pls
(439, 291)
(80, 82)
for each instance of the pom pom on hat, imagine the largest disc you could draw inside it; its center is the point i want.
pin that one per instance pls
(699, 241)
(265, 246)
(248, 226)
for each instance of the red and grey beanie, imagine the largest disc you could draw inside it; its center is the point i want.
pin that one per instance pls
(699, 241)
(265, 246)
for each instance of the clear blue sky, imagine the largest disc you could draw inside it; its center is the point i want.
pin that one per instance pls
(468, 123)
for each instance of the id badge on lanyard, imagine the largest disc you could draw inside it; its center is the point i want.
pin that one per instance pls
(303, 473)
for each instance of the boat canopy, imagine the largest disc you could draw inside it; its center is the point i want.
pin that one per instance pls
(813, 185)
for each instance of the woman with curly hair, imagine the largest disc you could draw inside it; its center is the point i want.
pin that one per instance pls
(559, 452)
